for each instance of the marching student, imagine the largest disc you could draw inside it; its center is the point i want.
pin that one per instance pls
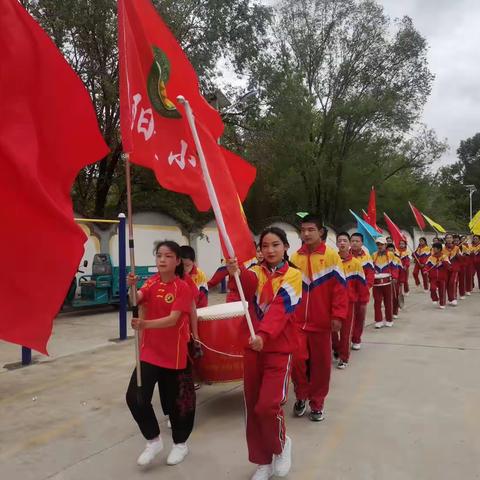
(198, 276)
(273, 289)
(475, 251)
(360, 308)
(386, 270)
(395, 282)
(357, 293)
(405, 255)
(323, 309)
(467, 254)
(420, 256)
(437, 267)
(453, 254)
(165, 331)
(463, 264)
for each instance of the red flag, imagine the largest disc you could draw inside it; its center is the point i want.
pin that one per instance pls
(373, 225)
(418, 216)
(48, 132)
(395, 232)
(154, 70)
(372, 208)
(365, 216)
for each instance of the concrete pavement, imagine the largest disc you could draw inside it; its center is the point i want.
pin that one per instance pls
(405, 408)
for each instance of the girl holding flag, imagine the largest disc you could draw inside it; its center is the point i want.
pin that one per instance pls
(420, 257)
(273, 289)
(167, 301)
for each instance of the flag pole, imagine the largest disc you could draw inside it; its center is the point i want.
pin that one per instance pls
(133, 288)
(411, 208)
(212, 195)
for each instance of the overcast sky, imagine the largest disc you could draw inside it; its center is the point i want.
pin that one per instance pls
(452, 30)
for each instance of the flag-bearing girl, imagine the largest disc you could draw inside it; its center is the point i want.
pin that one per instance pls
(167, 302)
(273, 289)
(420, 257)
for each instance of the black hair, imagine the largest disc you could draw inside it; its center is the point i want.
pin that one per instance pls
(436, 239)
(390, 245)
(456, 236)
(282, 236)
(315, 219)
(187, 252)
(437, 245)
(357, 234)
(343, 234)
(422, 238)
(175, 248)
(477, 236)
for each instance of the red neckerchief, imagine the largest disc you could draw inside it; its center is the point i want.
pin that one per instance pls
(358, 254)
(347, 258)
(267, 294)
(320, 249)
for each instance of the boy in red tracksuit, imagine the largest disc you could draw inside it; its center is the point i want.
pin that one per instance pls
(357, 293)
(438, 266)
(396, 282)
(324, 307)
(420, 256)
(453, 254)
(384, 262)
(273, 290)
(360, 309)
(198, 276)
(405, 255)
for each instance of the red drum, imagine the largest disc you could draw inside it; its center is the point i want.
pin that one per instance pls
(219, 328)
(382, 279)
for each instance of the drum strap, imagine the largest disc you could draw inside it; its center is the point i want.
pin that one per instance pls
(217, 351)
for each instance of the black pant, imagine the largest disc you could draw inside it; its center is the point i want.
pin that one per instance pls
(177, 393)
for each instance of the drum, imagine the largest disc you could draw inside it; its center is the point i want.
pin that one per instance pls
(219, 328)
(382, 279)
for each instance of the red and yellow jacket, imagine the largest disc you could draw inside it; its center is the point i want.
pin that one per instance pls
(437, 267)
(367, 264)
(324, 294)
(422, 255)
(355, 278)
(405, 256)
(453, 253)
(387, 262)
(273, 297)
(475, 252)
(200, 279)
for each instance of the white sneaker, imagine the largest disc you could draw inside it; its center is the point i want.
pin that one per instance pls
(263, 472)
(177, 453)
(153, 448)
(406, 294)
(356, 346)
(442, 307)
(169, 423)
(453, 303)
(378, 324)
(394, 316)
(426, 290)
(390, 324)
(435, 303)
(462, 298)
(283, 462)
(469, 293)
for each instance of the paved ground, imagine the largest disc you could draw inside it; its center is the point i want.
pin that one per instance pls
(406, 408)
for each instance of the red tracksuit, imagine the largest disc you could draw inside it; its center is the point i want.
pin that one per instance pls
(272, 297)
(405, 272)
(438, 267)
(453, 254)
(469, 268)
(324, 298)
(357, 293)
(475, 250)
(384, 263)
(360, 309)
(464, 284)
(421, 256)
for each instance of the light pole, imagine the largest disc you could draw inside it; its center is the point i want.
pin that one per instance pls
(471, 190)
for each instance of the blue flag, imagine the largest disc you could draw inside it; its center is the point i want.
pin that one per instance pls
(368, 232)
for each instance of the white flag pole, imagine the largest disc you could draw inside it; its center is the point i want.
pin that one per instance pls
(212, 195)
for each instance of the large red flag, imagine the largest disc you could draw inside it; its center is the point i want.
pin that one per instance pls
(372, 208)
(154, 70)
(418, 216)
(48, 132)
(395, 232)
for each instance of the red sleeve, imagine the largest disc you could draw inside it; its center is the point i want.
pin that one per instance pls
(369, 275)
(363, 292)
(339, 300)
(275, 319)
(145, 289)
(217, 277)
(193, 288)
(202, 299)
(184, 298)
(249, 282)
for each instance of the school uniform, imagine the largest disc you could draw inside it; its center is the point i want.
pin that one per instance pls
(475, 252)
(163, 356)
(383, 294)
(405, 258)
(360, 308)
(421, 257)
(357, 293)
(324, 298)
(453, 253)
(273, 296)
(200, 279)
(438, 267)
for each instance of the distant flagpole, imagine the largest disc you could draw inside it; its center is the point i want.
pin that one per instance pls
(212, 195)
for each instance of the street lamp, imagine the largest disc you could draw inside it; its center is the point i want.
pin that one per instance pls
(471, 190)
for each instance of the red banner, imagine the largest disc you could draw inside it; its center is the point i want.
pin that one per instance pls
(418, 217)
